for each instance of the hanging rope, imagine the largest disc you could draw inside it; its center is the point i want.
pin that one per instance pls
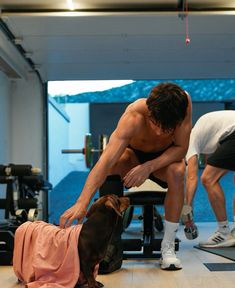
(187, 39)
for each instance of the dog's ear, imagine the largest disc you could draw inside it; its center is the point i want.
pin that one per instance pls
(95, 205)
(117, 204)
(114, 205)
(125, 203)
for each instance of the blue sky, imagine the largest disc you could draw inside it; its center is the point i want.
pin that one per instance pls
(74, 87)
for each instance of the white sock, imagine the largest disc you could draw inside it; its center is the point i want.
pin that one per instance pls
(224, 227)
(170, 232)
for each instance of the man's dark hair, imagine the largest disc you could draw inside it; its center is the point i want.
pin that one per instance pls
(167, 104)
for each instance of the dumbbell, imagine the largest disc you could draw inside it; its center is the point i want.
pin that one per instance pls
(190, 229)
(88, 150)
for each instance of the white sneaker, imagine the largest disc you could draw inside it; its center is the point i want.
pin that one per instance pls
(169, 261)
(218, 239)
(233, 232)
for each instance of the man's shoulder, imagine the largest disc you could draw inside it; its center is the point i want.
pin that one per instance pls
(138, 106)
(133, 117)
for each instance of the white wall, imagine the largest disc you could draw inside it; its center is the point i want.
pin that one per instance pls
(66, 130)
(5, 120)
(27, 122)
(21, 112)
(58, 131)
(78, 128)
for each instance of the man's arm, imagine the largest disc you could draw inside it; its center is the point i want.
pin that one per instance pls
(118, 142)
(191, 179)
(175, 153)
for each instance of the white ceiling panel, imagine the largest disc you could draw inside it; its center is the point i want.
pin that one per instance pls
(125, 45)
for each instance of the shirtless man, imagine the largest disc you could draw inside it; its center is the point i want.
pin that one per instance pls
(159, 128)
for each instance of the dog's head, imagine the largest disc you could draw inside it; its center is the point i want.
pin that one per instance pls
(118, 204)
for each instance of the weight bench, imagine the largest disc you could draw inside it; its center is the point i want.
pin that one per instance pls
(146, 241)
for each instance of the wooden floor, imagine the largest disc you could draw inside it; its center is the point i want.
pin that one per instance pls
(142, 273)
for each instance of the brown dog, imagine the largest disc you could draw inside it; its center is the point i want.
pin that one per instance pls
(97, 232)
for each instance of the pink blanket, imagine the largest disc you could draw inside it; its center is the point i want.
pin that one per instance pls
(46, 256)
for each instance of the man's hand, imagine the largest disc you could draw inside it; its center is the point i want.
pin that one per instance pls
(77, 211)
(137, 175)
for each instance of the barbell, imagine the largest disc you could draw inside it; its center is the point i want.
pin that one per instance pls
(88, 150)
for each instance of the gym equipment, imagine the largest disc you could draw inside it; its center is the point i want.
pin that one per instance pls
(88, 149)
(148, 243)
(144, 242)
(23, 186)
(190, 230)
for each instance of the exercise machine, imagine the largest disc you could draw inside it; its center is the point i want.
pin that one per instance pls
(25, 190)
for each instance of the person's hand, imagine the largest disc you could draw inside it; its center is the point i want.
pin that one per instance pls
(136, 176)
(77, 211)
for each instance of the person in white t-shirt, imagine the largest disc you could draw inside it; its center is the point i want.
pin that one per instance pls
(213, 135)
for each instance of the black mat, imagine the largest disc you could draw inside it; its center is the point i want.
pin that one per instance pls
(228, 252)
(220, 266)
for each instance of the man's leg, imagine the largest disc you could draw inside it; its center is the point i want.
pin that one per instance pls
(174, 176)
(210, 180)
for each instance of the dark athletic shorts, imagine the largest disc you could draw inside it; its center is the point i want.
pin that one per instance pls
(144, 157)
(224, 156)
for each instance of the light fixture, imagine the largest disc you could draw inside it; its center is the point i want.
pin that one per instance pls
(70, 4)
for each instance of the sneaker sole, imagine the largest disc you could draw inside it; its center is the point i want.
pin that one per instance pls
(221, 245)
(172, 267)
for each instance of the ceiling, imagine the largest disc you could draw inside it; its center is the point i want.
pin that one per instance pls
(121, 39)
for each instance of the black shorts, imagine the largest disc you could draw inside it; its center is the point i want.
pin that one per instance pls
(144, 157)
(224, 156)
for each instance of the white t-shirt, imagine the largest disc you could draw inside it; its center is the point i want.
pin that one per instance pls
(209, 130)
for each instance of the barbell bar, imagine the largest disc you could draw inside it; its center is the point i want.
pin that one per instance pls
(88, 150)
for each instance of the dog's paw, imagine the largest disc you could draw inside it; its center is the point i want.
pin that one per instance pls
(98, 284)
